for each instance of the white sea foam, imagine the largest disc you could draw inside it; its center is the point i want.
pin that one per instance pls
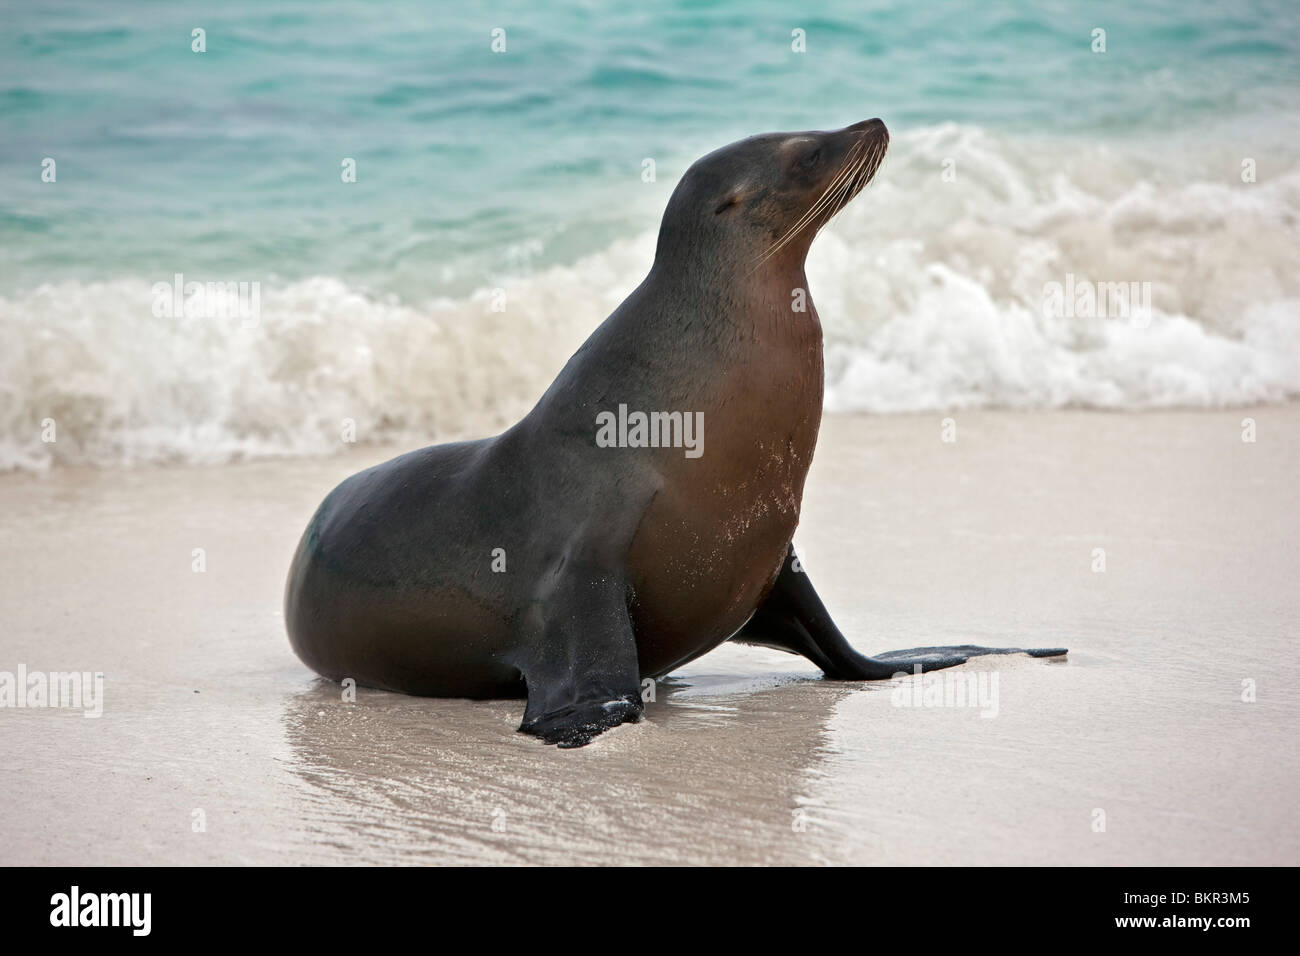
(931, 294)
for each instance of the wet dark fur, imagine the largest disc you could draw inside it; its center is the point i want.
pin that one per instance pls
(621, 563)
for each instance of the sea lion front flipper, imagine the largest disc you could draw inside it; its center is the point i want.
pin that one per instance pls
(793, 618)
(582, 673)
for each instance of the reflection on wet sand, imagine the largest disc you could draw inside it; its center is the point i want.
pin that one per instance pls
(712, 776)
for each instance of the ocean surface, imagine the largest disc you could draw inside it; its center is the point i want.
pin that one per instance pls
(1021, 157)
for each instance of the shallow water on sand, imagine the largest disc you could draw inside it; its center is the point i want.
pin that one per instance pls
(746, 755)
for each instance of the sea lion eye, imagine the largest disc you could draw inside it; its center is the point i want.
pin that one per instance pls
(725, 205)
(812, 159)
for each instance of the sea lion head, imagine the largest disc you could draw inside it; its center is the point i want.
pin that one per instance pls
(761, 200)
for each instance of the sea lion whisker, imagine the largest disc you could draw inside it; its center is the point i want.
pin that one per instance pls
(842, 196)
(865, 172)
(808, 216)
(858, 159)
(846, 189)
(844, 175)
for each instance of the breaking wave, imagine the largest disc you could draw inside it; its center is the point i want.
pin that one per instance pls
(930, 288)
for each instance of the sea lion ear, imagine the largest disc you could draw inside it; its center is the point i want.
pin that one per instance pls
(730, 200)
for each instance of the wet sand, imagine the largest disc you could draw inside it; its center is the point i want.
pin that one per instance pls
(747, 756)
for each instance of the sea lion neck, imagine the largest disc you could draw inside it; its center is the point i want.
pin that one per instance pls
(770, 302)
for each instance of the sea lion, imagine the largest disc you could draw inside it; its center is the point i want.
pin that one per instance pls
(596, 543)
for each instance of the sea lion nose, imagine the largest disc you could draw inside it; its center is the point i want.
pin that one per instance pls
(865, 125)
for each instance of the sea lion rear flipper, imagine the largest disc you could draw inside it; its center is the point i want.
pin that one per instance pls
(581, 673)
(793, 618)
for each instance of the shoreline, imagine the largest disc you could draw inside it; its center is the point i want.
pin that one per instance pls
(367, 453)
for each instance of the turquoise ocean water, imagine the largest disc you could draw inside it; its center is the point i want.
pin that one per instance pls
(522, 170)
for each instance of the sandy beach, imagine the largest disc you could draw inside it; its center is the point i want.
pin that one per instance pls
(216, 746)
